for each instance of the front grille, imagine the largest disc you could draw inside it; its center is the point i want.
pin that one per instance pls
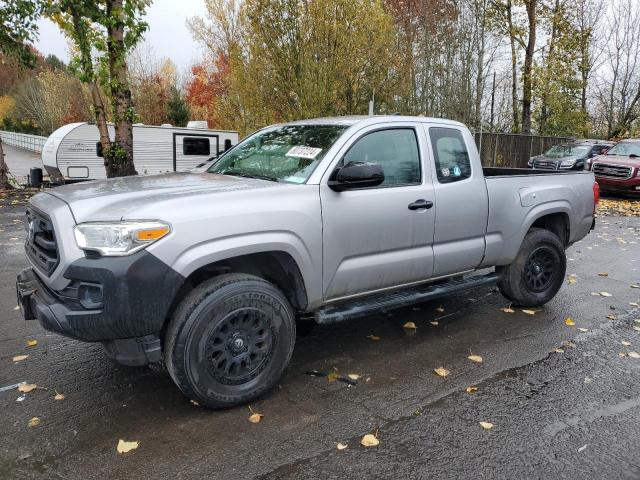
(41, 245)
(545, 164)
(606, 170)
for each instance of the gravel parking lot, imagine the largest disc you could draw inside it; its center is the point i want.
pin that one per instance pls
(562, 396)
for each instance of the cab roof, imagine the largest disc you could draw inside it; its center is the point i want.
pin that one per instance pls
(369, 119)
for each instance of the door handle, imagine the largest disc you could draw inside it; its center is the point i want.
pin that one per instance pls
(420, 204)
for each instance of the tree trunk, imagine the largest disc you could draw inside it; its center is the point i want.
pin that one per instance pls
(514, 69)
(88, 76)
(4, 171)
(548, 71)
(528, 65)
(101, 117)
(120, 156)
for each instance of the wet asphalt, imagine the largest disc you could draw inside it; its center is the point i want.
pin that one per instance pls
(571, 413)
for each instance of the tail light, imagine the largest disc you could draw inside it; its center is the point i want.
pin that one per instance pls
(596, 195)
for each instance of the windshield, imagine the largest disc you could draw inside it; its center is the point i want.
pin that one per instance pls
(625, 149)
(559, 151)
(287, 153)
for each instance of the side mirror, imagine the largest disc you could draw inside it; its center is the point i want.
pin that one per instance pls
(356, 175)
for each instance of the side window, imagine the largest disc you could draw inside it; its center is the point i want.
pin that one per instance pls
(195, 146)
(395, 150)
(450, 154)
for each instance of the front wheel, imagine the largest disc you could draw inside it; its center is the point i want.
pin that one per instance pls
(230, 340)
(537, 273)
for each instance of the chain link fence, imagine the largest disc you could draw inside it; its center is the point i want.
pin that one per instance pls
(512, 150)
(33, 143)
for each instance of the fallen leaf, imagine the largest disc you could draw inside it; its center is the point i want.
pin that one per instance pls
(441, 371)
(32, 342)
(569, 322)
(471, 389)
(354, 376)
(605, 294)
(409, 326)
(634, 354)
(625, 343)
(582, 448)
(583, 329)
(434, 323)
(529, 312)
(27, 387)
(59, 396)
(636, 328)
(558, 350)
(486, 425)
(34, 422)
(193, 402)
(571, 280)
(17, 307)
(369, 440)
(375, 338)
(19, 358)
(595, 294)
(634, 304)
(255, 417)
(341, 446)
(603, 274)
(507, 310)
(612, 317)
(622, 354)
(633, 285)
(440, 309)
(124, 447)
(475, 358)
(332, 377)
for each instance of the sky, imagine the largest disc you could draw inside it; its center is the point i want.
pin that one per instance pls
(168, 34)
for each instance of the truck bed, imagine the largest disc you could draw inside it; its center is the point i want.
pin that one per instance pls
(511, 172)
(516, 195)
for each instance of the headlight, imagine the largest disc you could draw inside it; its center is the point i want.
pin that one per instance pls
(119, 238)
(567, 163)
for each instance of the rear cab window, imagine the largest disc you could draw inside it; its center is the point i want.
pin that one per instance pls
(450, 154)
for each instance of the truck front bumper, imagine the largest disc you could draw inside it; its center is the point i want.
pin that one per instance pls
(122, 302)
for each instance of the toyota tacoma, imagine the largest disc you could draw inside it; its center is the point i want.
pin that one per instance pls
(329, 218)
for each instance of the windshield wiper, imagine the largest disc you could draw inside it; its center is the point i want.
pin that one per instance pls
(240, 173)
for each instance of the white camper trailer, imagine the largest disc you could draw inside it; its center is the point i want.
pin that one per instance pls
(74, 152)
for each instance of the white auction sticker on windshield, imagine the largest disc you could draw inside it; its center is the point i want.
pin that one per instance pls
(303, 152)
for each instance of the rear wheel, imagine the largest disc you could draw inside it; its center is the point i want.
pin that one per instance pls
(230, 340)
(537, 273)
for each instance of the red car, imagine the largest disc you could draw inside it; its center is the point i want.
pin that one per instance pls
(618, 170)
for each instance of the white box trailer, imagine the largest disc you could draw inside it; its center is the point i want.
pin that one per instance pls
(73, 152)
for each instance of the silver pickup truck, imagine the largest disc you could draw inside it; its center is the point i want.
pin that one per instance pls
(329, 218)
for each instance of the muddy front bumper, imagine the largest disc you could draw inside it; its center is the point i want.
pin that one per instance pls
(122, 302)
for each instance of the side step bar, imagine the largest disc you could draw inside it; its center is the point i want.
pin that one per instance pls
(400, 298)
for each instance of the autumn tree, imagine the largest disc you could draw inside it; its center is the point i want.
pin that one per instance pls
(111, 28)
(17, 29)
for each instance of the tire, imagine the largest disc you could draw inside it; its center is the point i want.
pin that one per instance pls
(230, 340)
(537, 273)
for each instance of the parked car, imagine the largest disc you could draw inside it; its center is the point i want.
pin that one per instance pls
(570, 156)
(332, 218)
(619, 169)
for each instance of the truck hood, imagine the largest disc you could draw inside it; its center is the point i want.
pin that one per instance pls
(618, 160)
(119, 198)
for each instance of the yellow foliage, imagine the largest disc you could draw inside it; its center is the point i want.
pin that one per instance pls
(6, 106)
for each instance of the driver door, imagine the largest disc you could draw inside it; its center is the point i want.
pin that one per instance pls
(379, 237)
